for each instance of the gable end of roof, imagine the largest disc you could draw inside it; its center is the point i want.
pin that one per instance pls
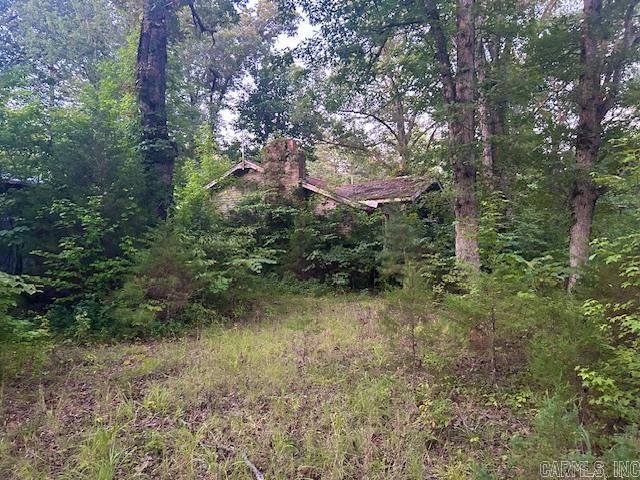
(241, 166)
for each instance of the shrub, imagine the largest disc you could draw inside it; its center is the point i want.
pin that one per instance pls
(340, 249)
(613, 380)
(436, 410)
(556, 435)
(406, 313)
(184, 279)
(87, 264)
(22, 342)
(517, 326)
(155, 297)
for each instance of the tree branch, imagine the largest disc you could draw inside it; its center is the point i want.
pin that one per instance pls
(422, 133)
(375, 117)
(197, 21)
(442, 54)
(431, 137)
(257, 474)
(343, 145)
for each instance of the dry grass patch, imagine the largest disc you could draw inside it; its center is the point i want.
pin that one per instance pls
(308, 390)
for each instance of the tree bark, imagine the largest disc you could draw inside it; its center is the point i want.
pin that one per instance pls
(158, 150)
(588, 140)
(491, 60)
(491, 119)
(585, 195)
(402, 134)
(459, 95)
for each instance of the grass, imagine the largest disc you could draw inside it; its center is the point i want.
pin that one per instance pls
(310, 390)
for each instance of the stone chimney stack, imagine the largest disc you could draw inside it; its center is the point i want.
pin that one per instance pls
(284, 164)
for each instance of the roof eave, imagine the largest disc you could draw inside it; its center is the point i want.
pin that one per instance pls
(243, 165)
(389, 200)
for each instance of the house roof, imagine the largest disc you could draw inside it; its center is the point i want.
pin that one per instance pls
(364, 195)
(238, 167)
(313, 187)
(399, 189)
(318, 182)
(7, 182)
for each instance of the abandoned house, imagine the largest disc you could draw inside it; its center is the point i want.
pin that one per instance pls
(282, 167)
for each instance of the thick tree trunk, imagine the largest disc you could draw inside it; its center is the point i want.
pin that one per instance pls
(463, 130)
(598, 89)
(459, 96)
(465, 204)
(588, 140)
(584, 202)
(158, 150)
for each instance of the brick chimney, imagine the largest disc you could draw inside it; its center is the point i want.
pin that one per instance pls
(284, 164)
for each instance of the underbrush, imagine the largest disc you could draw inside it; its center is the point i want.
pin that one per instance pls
(263, 341)
(566, 365)
(311, 391)
(326, 387)
(24, 340)
(200, 267)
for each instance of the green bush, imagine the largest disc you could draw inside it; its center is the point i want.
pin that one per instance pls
(184, 279)
(613, 379)
(23, 342)
(557, 434)
(88, 262)
(340, 249)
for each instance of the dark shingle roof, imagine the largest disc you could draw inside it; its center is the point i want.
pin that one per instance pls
(318, 182)
(390, 188)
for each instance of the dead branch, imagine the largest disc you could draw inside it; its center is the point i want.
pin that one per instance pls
(254, 470)
(373, 116)
(256, 473)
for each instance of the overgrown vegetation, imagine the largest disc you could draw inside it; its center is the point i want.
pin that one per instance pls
(476, 330)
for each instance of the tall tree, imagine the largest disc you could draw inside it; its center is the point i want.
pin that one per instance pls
(282, 102)
(459, 96)
(605, 48)
(214, 66)
(159, 152)
(493, 53)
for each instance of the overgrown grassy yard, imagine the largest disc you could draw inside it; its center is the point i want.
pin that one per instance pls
(310, 389)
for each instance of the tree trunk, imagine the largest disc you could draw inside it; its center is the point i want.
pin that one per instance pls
(465, 204)
(488, 146)
(402, 135)
(403, 129)
(598, 89)
(459, 97)
(491, 119)
(490, 112)
(463, 133)
(584, 203)
(157, 148)
(588, 140)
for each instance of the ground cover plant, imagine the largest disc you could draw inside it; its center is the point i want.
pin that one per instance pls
(311, 388)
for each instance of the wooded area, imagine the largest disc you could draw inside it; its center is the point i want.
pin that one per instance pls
(427, 264)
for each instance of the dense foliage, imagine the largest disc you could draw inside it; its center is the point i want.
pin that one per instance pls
(524, 265)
